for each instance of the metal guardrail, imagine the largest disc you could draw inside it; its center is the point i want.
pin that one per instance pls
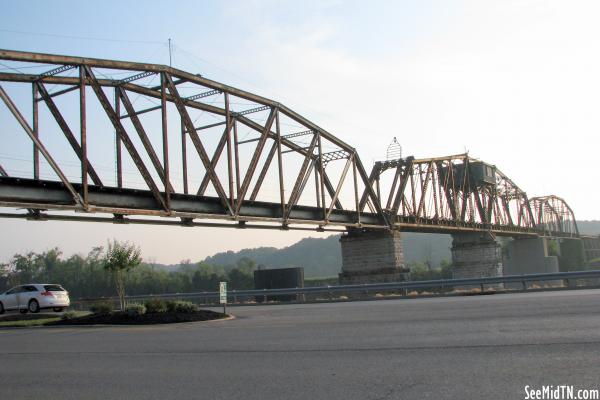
(365, 288)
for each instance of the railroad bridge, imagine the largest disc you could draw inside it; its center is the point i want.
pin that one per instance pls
(123, 142)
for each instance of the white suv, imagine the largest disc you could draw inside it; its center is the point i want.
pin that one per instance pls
(34, 297)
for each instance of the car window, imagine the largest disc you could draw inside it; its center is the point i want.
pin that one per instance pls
(13, 290)
(54, 288)
(30, 288)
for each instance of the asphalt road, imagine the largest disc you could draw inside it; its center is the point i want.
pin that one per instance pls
(452, 348)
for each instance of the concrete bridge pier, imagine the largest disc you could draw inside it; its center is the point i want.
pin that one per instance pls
(529, 256)
(371, 256)
(476, 255)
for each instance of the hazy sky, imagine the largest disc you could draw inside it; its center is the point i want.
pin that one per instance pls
(514, 82)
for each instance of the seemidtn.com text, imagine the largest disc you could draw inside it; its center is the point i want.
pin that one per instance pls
(560, 392)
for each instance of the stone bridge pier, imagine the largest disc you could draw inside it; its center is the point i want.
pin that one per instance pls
(475, 255)
(370, 256)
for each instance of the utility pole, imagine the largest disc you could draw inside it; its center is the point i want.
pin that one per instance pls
(170, 56)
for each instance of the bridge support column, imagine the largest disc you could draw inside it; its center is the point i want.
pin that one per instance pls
(372, 256)
(591, 246)
(571, 254)
(529, 256)
(476, 255)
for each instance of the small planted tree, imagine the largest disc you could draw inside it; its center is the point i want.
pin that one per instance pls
(120, 258)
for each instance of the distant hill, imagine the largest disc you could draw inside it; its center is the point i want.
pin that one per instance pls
(322, 257)
(589, 227)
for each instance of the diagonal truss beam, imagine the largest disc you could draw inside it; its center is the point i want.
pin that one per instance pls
(19, 117)
(213, 163)
(255, 158)
(189, 126)
(139, 128)
(263, 172)
(62, 123)
(122, 133)
(298, 186)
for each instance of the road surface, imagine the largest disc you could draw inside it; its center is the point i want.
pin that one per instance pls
(453, 348)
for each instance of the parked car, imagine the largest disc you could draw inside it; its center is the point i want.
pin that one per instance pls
(33, 297)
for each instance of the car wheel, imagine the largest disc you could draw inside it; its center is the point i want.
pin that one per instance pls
(23, 310)
(57, 309)
(34, 306)
(1, 308)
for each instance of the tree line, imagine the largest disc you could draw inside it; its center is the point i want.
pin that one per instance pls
(87, 276)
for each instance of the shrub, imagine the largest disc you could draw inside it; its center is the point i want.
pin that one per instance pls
(134, 309)
(155, 306)
(102, 308)
(68, 315)
(178, 306)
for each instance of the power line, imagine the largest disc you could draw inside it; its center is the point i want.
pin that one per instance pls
(82, 37)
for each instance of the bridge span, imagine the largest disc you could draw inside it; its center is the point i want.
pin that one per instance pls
(124, 142)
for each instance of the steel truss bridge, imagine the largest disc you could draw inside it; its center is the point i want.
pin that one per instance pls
(175, 152)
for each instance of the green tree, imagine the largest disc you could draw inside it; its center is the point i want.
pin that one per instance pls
(120, 258)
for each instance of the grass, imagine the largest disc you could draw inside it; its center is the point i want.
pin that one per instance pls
(29, 322)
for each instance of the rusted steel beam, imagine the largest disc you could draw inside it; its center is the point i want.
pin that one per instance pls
(139, 128)
(211, 125)
(118, 155)
(58, 70)
(307, 176)
(229, 150)
(339, 187)
(393, 188)
(12, 77)
(213, 162)
(408, 169)
(60, 92)
(317, 188)
(36, 132)
(19, 117)
(255, 158)
(279, 167)
(202, 95)
(140, 112)
(355, 179)
(180, 104)
(331, 190)
(83, 137)
(482, 213)
(237, 157)
(114, 118)
(424, 187)
(373, 178)
(184, 158)
(263, 172)
(66, 130)
(250, 111)
(135, 77)
(373, 196)
(165, 140)
(141, 221)
(289, 136)
(296, 191)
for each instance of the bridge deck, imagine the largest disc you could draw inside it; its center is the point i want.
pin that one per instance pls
(184, 209)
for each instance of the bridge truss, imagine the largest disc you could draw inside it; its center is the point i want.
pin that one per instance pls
(153, 144)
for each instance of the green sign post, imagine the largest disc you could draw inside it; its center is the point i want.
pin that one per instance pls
(223, 295)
